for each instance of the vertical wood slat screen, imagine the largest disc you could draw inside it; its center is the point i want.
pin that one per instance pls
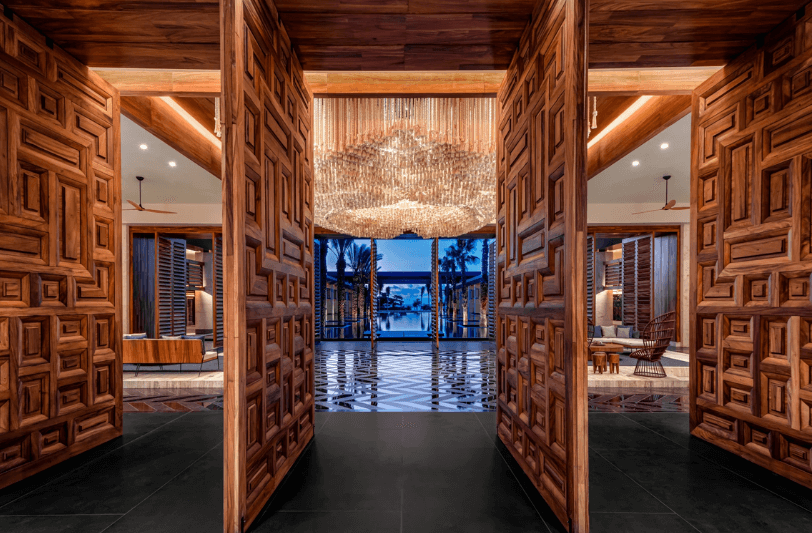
(268, 257)
(171, 286)
(194, 273)
(60, 255)
(613, 274)
(629, 283)
(178, 287)
(751, 253)
(590, 278)
(638, 256)
(217, 274)
(492, 290)
(541, 246)
(643, 289)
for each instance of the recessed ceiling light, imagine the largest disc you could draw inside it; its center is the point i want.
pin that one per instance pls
(173, 164)
(635, 163)
(664, 146)
(143, 147)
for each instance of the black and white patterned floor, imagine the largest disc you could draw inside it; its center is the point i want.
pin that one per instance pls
(399, 377)
(406, 377)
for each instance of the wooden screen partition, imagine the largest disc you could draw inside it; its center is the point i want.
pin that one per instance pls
(638, 278)
(268, 253)
(60, 289)
(751, 341)
(541, 246)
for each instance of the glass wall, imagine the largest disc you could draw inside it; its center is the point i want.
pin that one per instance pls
(404, 288)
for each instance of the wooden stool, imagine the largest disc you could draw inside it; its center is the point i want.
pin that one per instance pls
(598, 362)
(614, 363)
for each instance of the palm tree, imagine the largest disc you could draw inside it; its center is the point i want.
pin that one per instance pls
(422, 292)
(360, 260)
(339, 248)
(449, 266)
(465, 256)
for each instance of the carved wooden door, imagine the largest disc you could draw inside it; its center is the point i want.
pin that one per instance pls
(541, 247)
(60, 236)
(268, 257)
(751, 313)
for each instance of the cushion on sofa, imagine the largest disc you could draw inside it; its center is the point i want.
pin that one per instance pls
(609, 331)
(134, 336)
(597, 332)
(624, 332)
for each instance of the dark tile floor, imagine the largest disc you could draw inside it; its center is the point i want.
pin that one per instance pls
(397, 472)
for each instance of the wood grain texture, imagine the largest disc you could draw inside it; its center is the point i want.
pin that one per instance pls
(268, 254)
(541, 246)
(626, 82)
(653, 117)
(60, 244)
(165, 351)
(162, 82)
(158, 118)
(404, 34)
(751, 251)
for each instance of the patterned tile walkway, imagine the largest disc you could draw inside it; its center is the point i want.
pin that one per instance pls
(404, 378)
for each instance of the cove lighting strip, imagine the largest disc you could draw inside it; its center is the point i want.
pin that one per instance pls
(190, 119)
(632, 109)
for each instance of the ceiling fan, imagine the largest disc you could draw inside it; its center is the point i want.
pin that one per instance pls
(669, 206)
(139, 207)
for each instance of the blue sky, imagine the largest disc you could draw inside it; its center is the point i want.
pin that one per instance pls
(409, 255)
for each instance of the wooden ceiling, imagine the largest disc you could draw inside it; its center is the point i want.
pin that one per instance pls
(403, 34)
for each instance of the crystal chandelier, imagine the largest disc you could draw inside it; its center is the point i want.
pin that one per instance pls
(386, 166)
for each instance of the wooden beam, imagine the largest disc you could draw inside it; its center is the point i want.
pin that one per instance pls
(619, 82)
(160, 119)
(654, 116)
(159, 82)
(605, 82)
(379, 83)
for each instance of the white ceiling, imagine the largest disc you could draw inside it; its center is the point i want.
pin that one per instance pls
(623, 183)
(187, 183)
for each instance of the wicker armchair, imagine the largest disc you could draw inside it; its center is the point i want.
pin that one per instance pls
(656, 337)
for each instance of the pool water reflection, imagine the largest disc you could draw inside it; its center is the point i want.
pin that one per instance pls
(407, 324)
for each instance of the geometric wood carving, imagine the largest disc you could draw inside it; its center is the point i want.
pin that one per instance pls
(751, 360)
(59, 254)
(540, 295)
(269, 361)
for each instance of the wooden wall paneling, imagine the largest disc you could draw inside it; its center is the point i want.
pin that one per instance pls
(142, 278)
(665, 272)
(268, 258)
(751, 214)
(60, 243)
(638, 281)
(541, 246)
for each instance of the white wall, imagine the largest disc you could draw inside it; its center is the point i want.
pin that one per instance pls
(186, 215)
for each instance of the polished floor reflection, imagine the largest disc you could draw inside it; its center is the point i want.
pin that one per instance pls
(405, 377)
(406, 472)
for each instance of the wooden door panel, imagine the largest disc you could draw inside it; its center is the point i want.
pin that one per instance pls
(267, 258)
(60, 290)
(751, 307)
(542, 249)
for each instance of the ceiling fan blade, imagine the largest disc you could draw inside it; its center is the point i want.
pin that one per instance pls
(161, 212)
(644, 212)
(135, 205)
(670, 204)
(679, 208)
